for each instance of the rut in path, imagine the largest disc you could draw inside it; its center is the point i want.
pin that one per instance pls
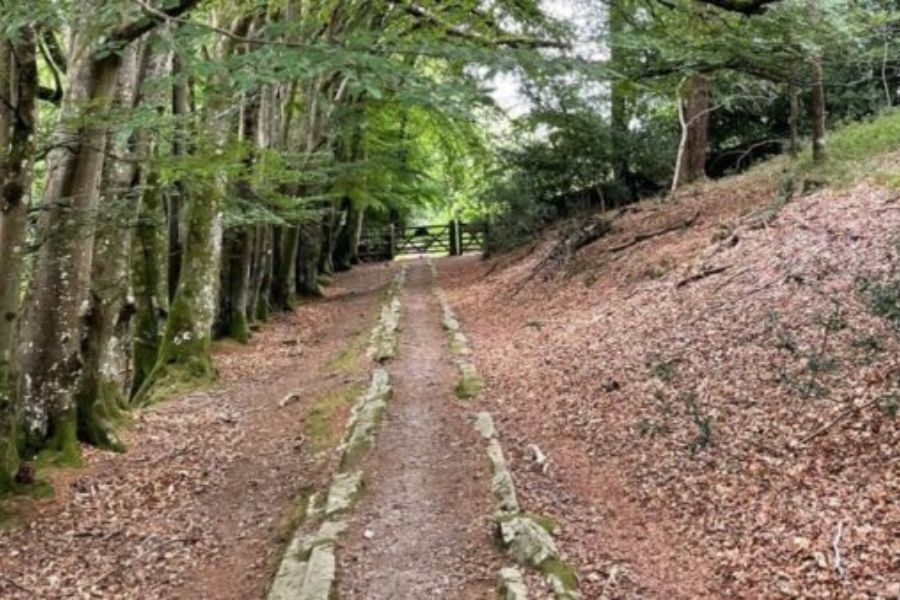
(423, 526)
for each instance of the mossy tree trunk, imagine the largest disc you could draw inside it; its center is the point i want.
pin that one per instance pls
(238, 252)
(284, 292)
(49, 350)
(184, 355)
(184, 358)
(18, 85)
(308, 259)
(104, 347)
(148, 264)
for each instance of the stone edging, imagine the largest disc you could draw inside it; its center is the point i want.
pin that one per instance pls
(526, 538)
(308, 568)
(383, 343)
(469, 383)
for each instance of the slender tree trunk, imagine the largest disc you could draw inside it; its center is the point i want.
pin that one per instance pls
(284, 292)
(794, 116)
(356, 229)
(149, 260)
(817, 109)
(238, 254)
(260, 248)
(104, 346)
(618, 104)
(149, 245)
(18, 84)
(181, 109)
(344, 250)
(49, 350)
(263, 303)
(817, 104)
(693, 165)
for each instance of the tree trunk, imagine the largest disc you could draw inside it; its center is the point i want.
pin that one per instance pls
(284, 292)
(49, 350)
(263, 304)
(184, 355)
(817, 104)
(184, 359)
(181, 110)
(693, 164)
(794, 116)
(308, 259)
(357, 227)
(344, 250)
(238, 252)
(18, 84)
(104, 348)
(817, 109)
(149, 261)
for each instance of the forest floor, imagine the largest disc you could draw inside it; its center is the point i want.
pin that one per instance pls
(715, 384)
(204, 499)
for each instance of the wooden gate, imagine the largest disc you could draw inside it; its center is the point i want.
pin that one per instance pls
(453, 239)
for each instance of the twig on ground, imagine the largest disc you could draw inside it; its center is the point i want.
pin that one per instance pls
(836, 546)
(125, 564)
(840, 416)
(702, 275)
(643, 237)
(18, 585)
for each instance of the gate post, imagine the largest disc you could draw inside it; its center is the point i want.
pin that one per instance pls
(454, 238)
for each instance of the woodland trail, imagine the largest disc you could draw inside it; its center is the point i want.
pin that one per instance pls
(201, 503)
(423, 526)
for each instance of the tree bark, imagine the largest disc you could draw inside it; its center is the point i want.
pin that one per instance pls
(817, 103)
(817, 109)
(693, 164)
(104, 348)
(311, 244)
(344, 250)
(238, 251)
(184, 359)
(284, 292)
(794, 116)
(19, 85)
(49, 350)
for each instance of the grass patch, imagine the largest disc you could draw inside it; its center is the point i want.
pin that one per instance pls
(293, 515)
(324, 421)
(347, 358)
(855, 148)
(563, 572)
(468, 386)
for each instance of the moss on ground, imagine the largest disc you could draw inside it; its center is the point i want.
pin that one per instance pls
(347, 359)
(294, 514)
(323, 423)
(468, 386)
(563, 572)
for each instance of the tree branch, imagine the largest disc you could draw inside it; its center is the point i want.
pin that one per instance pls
(745, 7)
(423, 13)
(130, 32)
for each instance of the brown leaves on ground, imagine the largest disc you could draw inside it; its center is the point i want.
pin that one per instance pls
(192, 509)
(723, 437)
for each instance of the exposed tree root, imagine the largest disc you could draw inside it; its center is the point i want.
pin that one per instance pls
(643, 237)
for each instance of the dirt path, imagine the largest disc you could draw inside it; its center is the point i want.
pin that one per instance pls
(423, 526)
(197, 507)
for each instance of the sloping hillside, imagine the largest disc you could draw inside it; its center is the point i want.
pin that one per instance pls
(715, 384)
